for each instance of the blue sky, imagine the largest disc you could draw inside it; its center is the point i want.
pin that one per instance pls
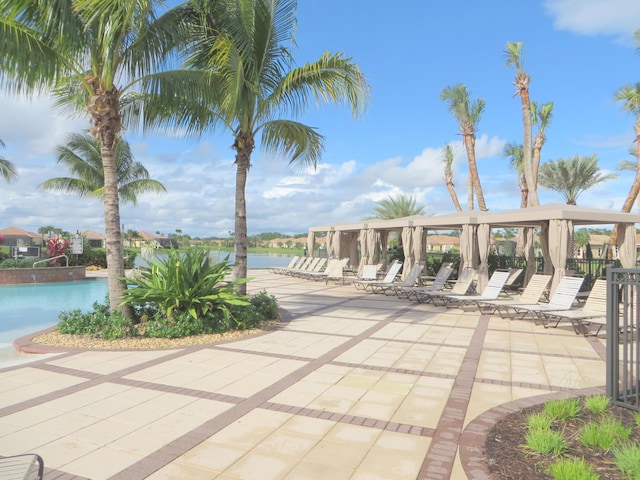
(578, 53)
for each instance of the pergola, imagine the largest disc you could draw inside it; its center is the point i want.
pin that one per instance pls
(555, 221)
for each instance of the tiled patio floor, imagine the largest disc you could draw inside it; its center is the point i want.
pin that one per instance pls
(351, 386)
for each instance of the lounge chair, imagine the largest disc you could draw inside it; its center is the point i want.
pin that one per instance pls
(27, 466)
(562, 298)
(514, 273)
(292, 264)
(391, 274)
(314, 265)
(426, 279)
(409, 281)
(461, 287)
(368, 273)
(439, 282)
(530, 295)
(491, 291)
(588, 320)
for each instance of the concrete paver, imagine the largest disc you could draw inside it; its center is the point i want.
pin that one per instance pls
(352, 385)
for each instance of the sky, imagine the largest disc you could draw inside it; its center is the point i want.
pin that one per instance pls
(577, 52)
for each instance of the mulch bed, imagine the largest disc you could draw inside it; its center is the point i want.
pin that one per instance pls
(507, 459)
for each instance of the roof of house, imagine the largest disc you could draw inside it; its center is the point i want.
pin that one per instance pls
(18, 232)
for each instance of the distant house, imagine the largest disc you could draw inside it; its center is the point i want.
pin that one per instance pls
(17, 237)
(95, 239)
(442, 243)
(156, 240)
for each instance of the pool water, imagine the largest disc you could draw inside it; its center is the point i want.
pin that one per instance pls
(29, 308)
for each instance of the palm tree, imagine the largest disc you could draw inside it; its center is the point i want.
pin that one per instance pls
(448, 176)
(513, 56)
(7, 170)
(397, 207)
(514, 151)
(541, 116)
(630, 96)
(82, 157)
(93, 56)
(258, 87)
(572, 176)
(468, 114)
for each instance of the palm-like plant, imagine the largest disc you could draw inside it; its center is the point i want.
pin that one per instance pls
(82, 158)
(572, 176)
(7, 170)
(97, 57)
(468, 114)
(447, 159)
(514, 152)
(541, 116)
(258, 86)
(514, 56)
(397, 207)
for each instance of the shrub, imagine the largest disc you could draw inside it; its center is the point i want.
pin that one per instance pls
(604, 434)
(572, 469)
(597, 403)
(185, 283)
(545, 442)
(563, 409)
(99, 323)
(628, 459)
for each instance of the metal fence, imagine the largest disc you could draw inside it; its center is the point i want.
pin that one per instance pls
(623, 347)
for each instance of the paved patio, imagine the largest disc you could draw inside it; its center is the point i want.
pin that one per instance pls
(351, 386)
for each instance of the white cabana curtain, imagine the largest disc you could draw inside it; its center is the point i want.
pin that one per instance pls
(363, 240)
(418, 244)
(467, 246)
(349, 247)
(311, 243)
(559, 236)
(529, 253)
(333, 244)
(484, 242)
(407, 247)
(544, 245)
(626, 244)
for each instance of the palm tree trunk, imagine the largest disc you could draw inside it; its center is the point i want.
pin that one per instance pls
(470, 201)
(115, 251)
(523, 88)
(454, 196)
(469, 143)
(243, 162)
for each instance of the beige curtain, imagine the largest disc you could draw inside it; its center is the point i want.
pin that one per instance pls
(333, 244)
(407, 248)
(529, 253)
(350, 248)
(484, 242)
(418, 244)
(363, 240)
(626, 244)
(559, 236)
(382, 239)
(467, 241)
(311, 243)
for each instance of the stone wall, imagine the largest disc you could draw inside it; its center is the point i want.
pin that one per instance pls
(11, 276)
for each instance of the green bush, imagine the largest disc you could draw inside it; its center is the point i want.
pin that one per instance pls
(186, 282)
(99, 323)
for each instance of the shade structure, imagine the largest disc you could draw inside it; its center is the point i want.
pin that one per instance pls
(483, 233)
(311, 243)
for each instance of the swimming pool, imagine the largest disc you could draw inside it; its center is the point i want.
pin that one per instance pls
(28, 308)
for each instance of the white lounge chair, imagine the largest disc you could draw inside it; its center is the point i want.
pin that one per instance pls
(491, 291)
(530, 295)
(587, 320)
(562, 298)
(409, 281)
(461, 287)
(439, 282)
(514, 273)
(391, 274)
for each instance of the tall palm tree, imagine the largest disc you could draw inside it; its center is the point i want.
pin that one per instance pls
(572, 176)
(447, 158)
(7, 170)
(468, 114)
(514, 152)
(630, 96)
(541, 117)
(82, 157)
(514, 56)
(259, 88)
(97, 57)
(397, 207)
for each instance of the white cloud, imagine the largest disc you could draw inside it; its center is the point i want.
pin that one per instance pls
(596, 17)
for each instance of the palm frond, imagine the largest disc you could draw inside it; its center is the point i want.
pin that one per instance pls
(301, 144)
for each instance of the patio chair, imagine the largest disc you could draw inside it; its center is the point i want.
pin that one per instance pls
(514, 273)
(292, 263)
(530, 295)
(303, 264)
(439, 282)
(490, 292)
(409, 281)
(562, 298)
(461, 287)
(588, 320)
(315, 265)
(391, 274)
(424, 279)
(25, 467)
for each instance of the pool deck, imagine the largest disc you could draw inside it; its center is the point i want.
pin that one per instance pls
(351, 385)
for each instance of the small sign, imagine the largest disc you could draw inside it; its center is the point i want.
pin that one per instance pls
(77, 246)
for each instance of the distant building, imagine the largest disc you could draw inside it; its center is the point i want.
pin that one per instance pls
(95, 239)
(442, 243)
